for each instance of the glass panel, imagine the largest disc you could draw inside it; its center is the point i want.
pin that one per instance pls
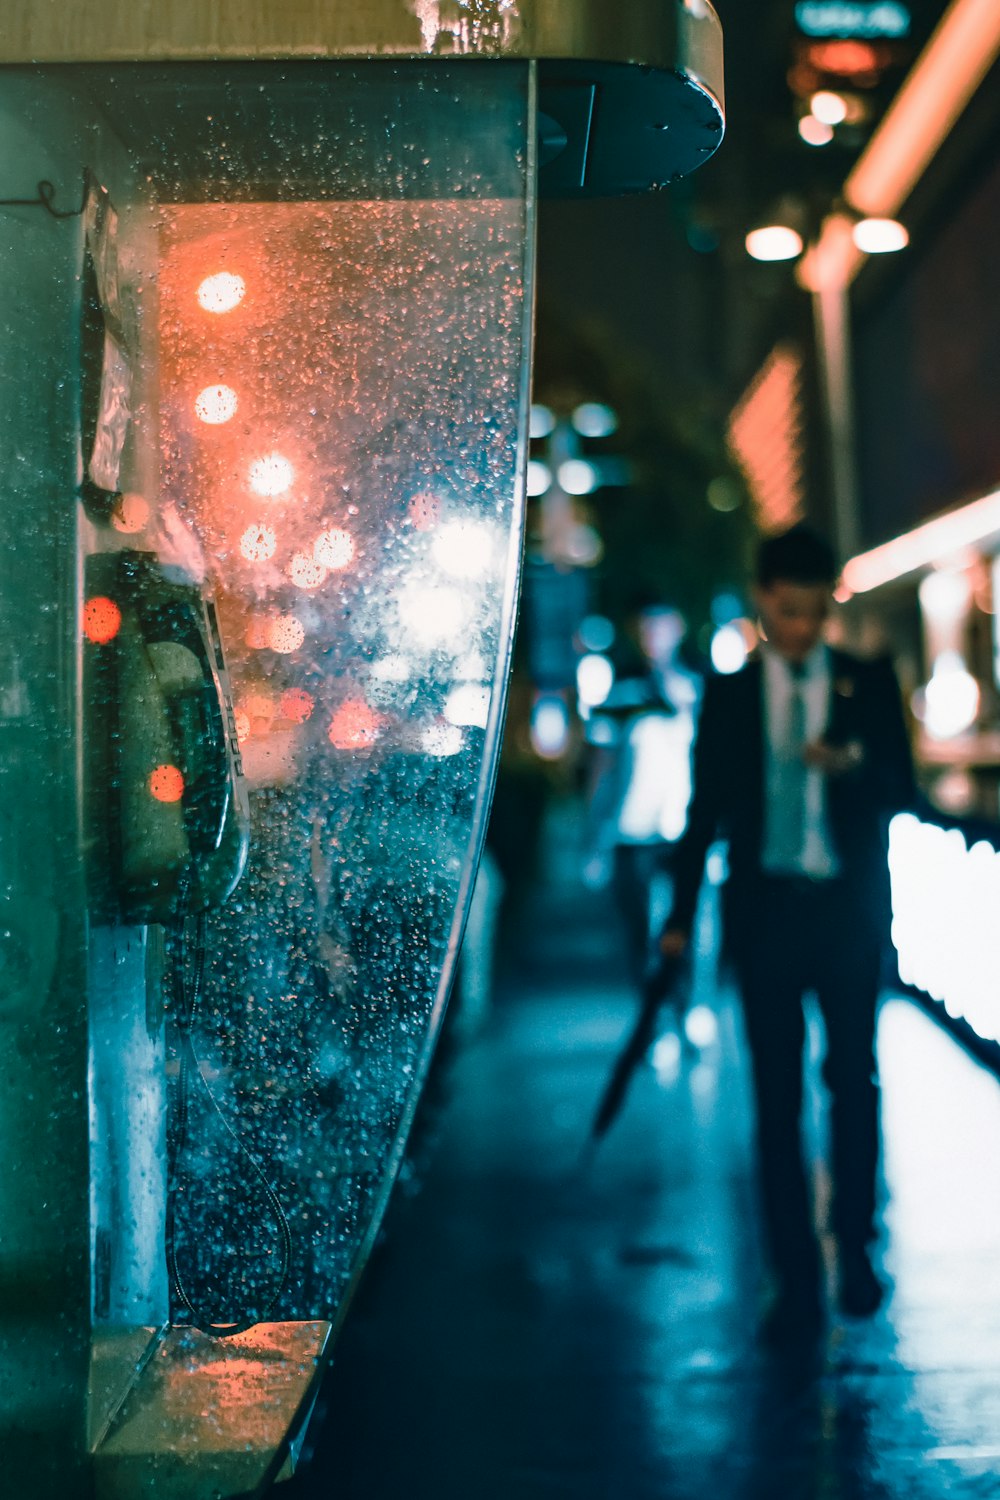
(342, 401)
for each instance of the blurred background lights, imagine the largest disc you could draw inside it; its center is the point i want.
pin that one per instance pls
(334, 549)
(130, 514)
(728, 649)
(258, 543)
(539, 477)
(216, 404)
(435, 616)
(815, 133)
(424, 510)
(550, 727)
(256, 632)
(441, 740)
(774, 242)
(542, 422)
(471, 668)
(595, 677)
(723, 494)
(465, 549)
(584, 545)
(701, 1026)
(951, 698)
(259, 709)
(222, 292)
(945, 897)
(354, 726)
(468, 705)
(592, 419)
(880, 236)
(271, 475)
(285, 634)
(828, 107)
(596, 633)
(392, 668)
(578, 477)
(305, 572)
(242, 725)
(945, 595)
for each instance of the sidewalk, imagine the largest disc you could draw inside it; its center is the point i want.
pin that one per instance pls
(530, 1329)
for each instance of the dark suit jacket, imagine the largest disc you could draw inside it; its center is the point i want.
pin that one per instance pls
(728, 785)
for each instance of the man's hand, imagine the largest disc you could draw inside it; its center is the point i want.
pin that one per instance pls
(673, 942)
(834, 760)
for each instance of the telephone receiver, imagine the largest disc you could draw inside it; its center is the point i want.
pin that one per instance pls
(167, 813)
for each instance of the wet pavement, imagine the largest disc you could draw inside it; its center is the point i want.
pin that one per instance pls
(535, 1325)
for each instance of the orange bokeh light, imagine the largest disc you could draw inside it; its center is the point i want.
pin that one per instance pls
(242, 726)
(130, 514)
(296, 704)
(285, 634)
(166, 783)
(354, 726)
(101, 619)
(258, 543)
(334, 549)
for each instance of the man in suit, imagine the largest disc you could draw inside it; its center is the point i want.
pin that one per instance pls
(800, 760)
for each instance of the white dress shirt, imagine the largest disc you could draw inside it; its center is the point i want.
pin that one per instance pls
(817, 857)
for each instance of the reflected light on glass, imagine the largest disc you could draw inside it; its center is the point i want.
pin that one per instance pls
(595, 677)
(442, 740)
(592, 419)
(880, 236)
(465, 549)
(578, 477)
(951, 698)
(701, 1026)
(334, 549)
(468, 705)
(596, 633)
(271, 475)
(729, 649)
(101, 620)
(130, 514)
(258, 543)
(774, 242)
(829, 107)
(550, 726)
(216, 404)
(305, 572)
(354, 726)
(815, 132)
(539, 478)
(434, 615)
(945, 897)
(222, 292)
(285, 634)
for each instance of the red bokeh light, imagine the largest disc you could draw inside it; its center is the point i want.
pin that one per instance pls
(101, 619)
(296, 704)
(166, 783)
(354, 726)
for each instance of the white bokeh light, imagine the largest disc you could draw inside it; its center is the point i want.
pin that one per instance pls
(468, 705)
(433, 615)
(271, 475)
(216, 404)
(442, 740)
(334, 549)
(951, 698)
(465, 549)
(595, 677)
(729, 649)
(222, 292)
(539, 478)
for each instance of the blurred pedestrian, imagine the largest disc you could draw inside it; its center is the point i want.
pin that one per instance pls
(801, 758)
(640, 781)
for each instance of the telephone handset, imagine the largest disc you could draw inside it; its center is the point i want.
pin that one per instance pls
(168, 815)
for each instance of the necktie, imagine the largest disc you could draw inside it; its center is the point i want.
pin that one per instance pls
(787, 814)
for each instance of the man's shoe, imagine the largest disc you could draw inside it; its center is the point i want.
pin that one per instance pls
(860, 1293)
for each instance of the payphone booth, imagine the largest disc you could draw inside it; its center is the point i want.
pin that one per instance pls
(266, 301)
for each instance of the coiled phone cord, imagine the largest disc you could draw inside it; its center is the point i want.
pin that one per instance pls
(187, 982)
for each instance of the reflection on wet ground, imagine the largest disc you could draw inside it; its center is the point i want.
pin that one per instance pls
(531, 1328)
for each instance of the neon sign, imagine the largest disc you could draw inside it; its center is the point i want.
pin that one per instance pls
(881, 19)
